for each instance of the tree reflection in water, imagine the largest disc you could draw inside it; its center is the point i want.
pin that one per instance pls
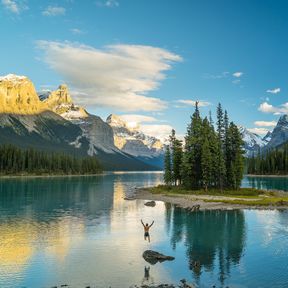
(214, 239)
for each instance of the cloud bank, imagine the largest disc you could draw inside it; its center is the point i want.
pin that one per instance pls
(193, 103)
(117, 76)
(268, 108)
(265, 123)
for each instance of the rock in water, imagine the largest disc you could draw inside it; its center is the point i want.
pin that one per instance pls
(153, 257)
(150, 203)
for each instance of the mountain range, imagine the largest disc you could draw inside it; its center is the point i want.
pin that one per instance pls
(49, 120)
(253, 143)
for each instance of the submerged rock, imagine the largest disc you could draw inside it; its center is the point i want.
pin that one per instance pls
(183, 284)
(153, 257)
(150, 203)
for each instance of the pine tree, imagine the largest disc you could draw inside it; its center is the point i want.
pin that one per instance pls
(177, 154)
(237, 158)
(192, 157)
(206, 157)
(167, 167)
(220, 147)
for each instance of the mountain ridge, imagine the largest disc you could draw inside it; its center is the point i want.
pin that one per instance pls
(52, 122)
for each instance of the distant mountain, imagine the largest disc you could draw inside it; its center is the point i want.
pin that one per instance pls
(134, 142)
(52, 122)
(279, 134)
(267, 137)
(252, 141)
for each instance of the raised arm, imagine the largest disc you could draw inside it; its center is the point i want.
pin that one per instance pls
(142, 223)
(151, 224)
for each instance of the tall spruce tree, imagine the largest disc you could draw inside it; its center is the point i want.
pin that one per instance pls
(237, 161)
(206, 157)
(220, 148)
(192, 176)
(167, 167)
(211, 159)
(177, 154)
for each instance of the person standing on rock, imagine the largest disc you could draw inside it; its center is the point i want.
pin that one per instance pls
(146, 230)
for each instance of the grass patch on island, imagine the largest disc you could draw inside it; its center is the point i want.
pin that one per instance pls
(244, 196)
(246, 192)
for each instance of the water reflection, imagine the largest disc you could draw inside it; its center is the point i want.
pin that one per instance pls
(80, 231)
(212, 238)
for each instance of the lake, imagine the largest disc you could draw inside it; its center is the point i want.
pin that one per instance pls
(79, 231)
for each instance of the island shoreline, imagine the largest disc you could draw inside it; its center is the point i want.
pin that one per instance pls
(190, 201)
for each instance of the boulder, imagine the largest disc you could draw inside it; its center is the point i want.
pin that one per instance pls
(150, 203)
(153, 257)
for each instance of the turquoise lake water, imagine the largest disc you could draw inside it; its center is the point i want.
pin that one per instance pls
(79, 231)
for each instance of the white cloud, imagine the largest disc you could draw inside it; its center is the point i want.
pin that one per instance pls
(218, 76)
(117, 76)
(268, 108)
(159, 131)
(137, 118)
(261, 131)
(14, 6)
(237, 74)
(273, 91)
(77, 31)
(265, 123)
(193, 103)
(54, 11)
(108, 3)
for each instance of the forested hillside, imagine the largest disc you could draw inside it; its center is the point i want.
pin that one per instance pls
(15, 161)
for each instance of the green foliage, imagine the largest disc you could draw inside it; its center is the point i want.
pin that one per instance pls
(14, 161)
(167, 167)
(242, 192)
(274, 162)
(177, 155)
(211, 159)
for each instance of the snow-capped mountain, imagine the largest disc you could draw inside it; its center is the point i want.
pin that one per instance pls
(133, 141)
(267, 137)
(252, 141)
(279, 134)
(50, 121)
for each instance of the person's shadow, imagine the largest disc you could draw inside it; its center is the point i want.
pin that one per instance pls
(147, 278)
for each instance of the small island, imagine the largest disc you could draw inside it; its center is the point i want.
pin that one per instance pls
(244, 198)
(206, 172)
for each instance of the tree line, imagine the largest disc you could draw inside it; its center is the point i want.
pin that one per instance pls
(14, 160)
(273, 162)
(209, 158)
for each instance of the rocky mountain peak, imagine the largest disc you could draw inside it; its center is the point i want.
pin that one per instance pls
(283, 120)
(116, 121)
(60, 102)
(13, 78)
(252, 142)
(58, 97)
(18, 96)
(279, 134)
(267, 137)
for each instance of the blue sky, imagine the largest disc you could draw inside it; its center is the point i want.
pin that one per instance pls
(153, 58)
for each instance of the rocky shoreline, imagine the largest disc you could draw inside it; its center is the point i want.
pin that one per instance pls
(198, 202)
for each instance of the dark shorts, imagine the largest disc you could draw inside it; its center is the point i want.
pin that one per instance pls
(146, 234)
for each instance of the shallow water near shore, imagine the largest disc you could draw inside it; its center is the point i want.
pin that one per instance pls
(80, 231)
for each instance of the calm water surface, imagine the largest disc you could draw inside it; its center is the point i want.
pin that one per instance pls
(79, 231)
